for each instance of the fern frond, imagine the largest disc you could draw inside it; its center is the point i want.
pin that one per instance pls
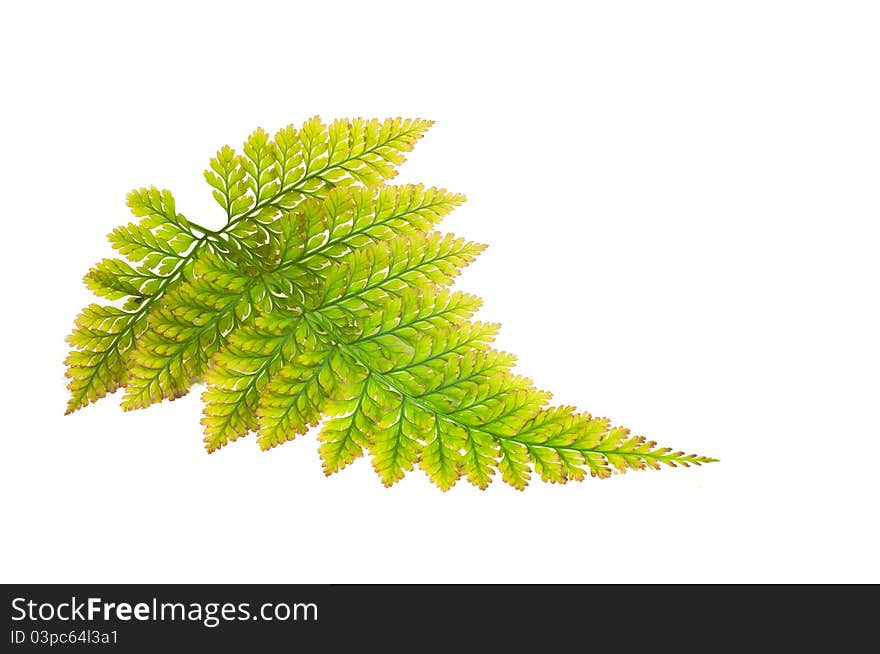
(324, 299)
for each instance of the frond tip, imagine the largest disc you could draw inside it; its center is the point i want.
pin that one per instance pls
(563, 445)
(325, 300)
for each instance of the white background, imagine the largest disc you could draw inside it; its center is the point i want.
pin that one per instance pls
(681, 201)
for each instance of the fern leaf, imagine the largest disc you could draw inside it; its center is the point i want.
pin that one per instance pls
(324, 298)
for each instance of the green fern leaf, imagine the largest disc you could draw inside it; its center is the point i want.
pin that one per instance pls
(324, 299)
